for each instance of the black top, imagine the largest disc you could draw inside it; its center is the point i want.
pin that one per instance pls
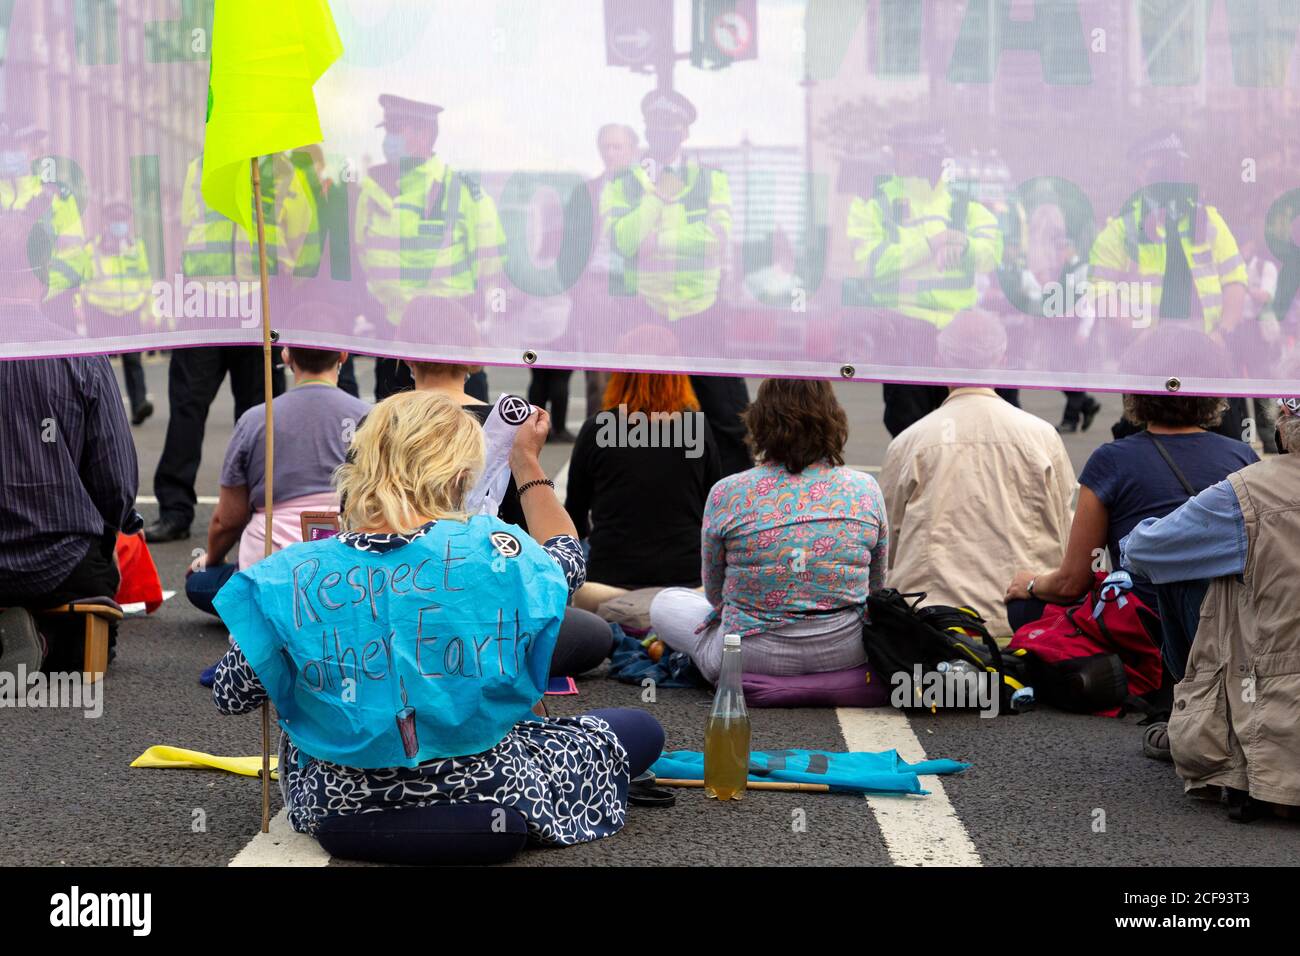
(723, 399)
(641, 508)
(511, 510)
(68, 467)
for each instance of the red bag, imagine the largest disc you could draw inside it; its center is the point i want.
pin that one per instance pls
(1107, 620)
(140, 582)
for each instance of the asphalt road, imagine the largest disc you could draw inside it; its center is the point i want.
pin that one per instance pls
(1038, 787)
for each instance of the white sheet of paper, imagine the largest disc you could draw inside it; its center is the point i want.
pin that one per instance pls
(503, 421)
(138, 606)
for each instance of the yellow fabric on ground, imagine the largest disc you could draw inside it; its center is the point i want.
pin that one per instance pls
(177, 757)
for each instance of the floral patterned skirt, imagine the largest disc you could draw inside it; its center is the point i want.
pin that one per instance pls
(568, 776)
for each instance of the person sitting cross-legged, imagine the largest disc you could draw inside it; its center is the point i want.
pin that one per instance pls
(69, 473)
(1126, 481)
(1231, 556)
(407, 657)
(639, 477)
(314, 422)
(978, 477)
(791, 546)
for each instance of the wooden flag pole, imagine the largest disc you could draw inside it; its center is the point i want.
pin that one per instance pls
(754, 785)
(269, 440)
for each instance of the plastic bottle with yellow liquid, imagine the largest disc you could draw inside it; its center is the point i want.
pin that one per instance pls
(726, 738)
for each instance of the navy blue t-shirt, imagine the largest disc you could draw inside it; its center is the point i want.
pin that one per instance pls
(1134, 482)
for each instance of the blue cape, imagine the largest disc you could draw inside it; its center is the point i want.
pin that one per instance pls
(433, 649)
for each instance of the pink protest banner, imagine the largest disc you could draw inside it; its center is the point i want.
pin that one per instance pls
(811, 187)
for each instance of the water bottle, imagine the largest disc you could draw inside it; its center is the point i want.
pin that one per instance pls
(957, 667)
(726, 737)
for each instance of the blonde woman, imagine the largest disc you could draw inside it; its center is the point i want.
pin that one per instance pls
(405, 657)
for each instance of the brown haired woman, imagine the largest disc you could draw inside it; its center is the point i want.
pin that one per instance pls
(791, 546)
(640, 473)
(1124, 482)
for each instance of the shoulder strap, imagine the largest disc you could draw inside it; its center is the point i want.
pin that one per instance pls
(887, 217)
(1173, 466)
(960, 208)
(632, 188)
(697, 199)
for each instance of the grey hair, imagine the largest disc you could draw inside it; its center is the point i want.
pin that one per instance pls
(1288, 426)
(626, 130)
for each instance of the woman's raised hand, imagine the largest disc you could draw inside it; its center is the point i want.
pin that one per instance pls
(529, 439)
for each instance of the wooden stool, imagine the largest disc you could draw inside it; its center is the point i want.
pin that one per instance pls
(98, 612)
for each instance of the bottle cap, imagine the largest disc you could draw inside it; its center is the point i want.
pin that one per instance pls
(731, 640)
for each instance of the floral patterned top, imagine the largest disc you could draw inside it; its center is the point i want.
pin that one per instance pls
(779, 546)
(568, 776)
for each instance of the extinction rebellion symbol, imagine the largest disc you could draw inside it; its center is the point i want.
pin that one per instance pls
(506, 544)
(514, 410)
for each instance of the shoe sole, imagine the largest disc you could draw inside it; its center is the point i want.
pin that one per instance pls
(20, 644)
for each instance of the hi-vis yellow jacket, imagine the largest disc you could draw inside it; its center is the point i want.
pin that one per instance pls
(117, 279)
(890, 236)
(215, 246)
(1126, 266)
(428, 231)
(55, 208)
(672, 250)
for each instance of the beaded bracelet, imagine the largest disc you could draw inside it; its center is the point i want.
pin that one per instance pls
(539, 481)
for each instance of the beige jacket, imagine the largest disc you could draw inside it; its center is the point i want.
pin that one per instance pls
(1236, 716)
(975, 491)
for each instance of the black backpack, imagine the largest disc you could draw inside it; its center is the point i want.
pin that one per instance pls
(900, 635)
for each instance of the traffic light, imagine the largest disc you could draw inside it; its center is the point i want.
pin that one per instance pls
(723, 31)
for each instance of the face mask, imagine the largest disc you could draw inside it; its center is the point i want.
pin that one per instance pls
(14, 163)
(663, 143)
(394, 147)
(119, 230)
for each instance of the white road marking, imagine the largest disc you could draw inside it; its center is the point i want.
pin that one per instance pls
(281, 847)
(918, 831)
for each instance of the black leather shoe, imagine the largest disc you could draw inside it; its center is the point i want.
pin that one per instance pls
(163, 530)
(1067, 428)
(1090, 412)
(139, 416)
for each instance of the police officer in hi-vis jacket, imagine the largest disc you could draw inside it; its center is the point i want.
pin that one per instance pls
(425, 231)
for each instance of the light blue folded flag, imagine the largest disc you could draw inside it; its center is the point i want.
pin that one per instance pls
(843, 772)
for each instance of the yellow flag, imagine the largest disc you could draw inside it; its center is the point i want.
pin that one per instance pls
(266, 57)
